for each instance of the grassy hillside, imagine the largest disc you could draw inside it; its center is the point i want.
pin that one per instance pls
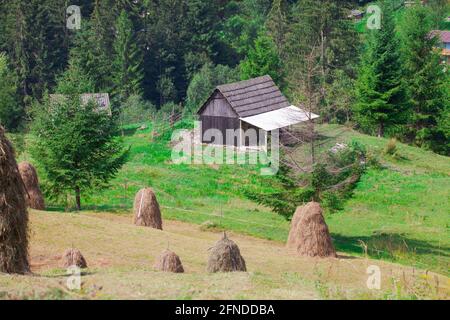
(399, 213)
(120, 258)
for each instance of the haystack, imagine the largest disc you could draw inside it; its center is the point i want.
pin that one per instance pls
(73, 257)
(168, 261)
(225, 256)
(34, 198)
(13, 213)
(146, 209)
(309, 234)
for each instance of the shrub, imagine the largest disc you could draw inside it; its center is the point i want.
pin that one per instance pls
(136, 110)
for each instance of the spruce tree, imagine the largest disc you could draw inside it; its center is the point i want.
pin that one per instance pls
(381, 96)
(76, 144)
(277, 24)
(11, 112)
(263, 59)
(425, 77)
(128, 73)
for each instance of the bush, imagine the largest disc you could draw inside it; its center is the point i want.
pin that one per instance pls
(170, 107)
(136, 110)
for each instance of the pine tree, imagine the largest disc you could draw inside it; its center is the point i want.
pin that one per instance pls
(11, 112)
(277, 24)
(381, 95)
(18, 28)
(77, 145)
(93, 46)
(262, 60)
(425, 77)
(321, 27)
(128, 73)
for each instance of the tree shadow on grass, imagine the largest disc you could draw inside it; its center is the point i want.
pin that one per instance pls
(94, 208)
(129, 131)
(62, 274)
(396, 247)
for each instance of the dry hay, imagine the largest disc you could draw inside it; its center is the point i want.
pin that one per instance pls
(225, 256)
(13, 213)
(309, 234)
(168, 261)
(73, 257)
(34, 199)
(146, 209)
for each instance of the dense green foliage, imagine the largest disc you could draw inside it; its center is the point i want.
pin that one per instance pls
(10, 111)
(179, 50)
(204, 82)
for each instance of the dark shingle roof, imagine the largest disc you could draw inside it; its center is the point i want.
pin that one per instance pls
(254, 96)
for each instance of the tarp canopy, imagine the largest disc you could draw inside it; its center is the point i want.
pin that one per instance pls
(280, 118)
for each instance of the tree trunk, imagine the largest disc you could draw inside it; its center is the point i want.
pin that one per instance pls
(78, 198)
(313, 146)
(380, 130)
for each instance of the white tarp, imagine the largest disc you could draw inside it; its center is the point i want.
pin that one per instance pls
(280, 118)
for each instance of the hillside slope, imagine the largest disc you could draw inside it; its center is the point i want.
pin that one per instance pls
(399, 213)
(121, 256)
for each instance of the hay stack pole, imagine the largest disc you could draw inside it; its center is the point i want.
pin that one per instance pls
(13, 213)
(73, 257)
(169, 262)
(225, 256)
(146, 209)
(34, 197)
(309, 235)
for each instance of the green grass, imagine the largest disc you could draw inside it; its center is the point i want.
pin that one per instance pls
(399, 213)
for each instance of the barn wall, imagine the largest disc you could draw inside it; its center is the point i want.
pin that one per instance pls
(221, 124)
(218, 107)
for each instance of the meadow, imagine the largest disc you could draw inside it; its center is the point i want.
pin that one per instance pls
(398, 212)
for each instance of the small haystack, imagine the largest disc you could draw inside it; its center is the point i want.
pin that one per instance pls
(309, 234)
(225, 257)
(168, 261)
(73, 257)
(34, 199)
(146, 209)
(13, 213)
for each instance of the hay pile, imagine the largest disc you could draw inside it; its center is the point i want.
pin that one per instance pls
(309, 234)
(146, 209)
(225, 257)
(169, 262)
(34, 199)
(13, 213)
(73, 257)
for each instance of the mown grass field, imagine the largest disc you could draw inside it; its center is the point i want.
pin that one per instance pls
(121, 256)
(399, 213)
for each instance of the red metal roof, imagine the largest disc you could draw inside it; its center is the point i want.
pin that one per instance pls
(443, 34)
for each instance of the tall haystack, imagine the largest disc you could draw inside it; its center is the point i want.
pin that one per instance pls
(34, 198)
(168, 261)
(73, 257)
(146, 209)
(309, 234)
(13, 213)
(225, 256)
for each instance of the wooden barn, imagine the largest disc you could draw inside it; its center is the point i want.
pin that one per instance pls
(102, 100)
(251, 104)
